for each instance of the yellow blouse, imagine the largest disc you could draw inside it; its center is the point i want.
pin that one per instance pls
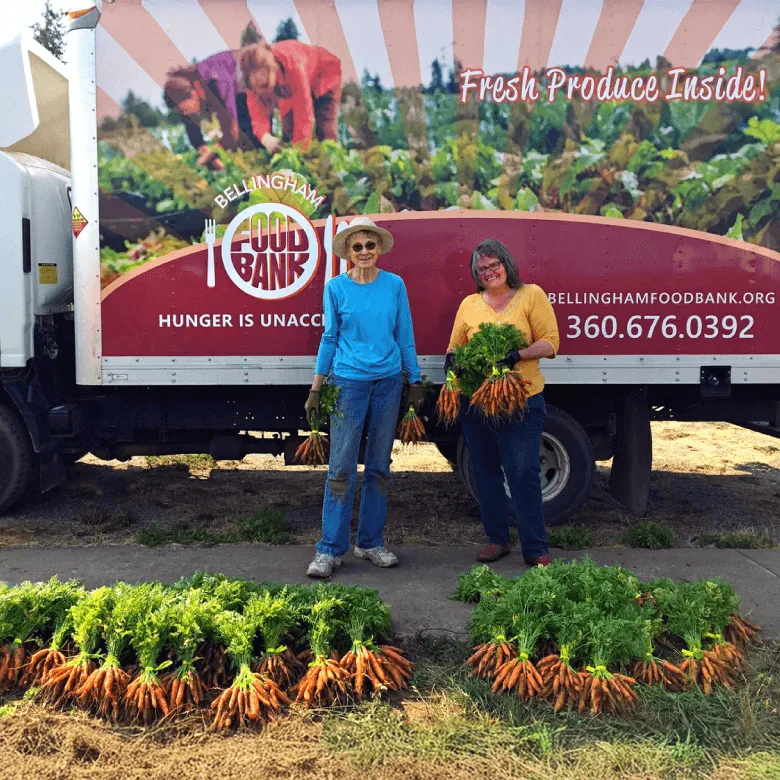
(529, 311)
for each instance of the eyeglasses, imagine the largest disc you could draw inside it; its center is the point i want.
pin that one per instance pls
(370, 245)
(489, 269)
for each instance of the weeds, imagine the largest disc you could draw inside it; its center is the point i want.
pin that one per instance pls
(100, 517)
(649, 535)
(671, 735)
(267, 526)
(741, 539)
(199, 462)
(767, 449)
(570, 537)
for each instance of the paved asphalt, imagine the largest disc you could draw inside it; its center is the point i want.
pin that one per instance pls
(417, 590)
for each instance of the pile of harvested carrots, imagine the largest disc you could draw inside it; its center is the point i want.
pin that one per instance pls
(238, 652)
(587, 637)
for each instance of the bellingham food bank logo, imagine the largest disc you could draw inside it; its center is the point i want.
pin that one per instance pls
(279, 255)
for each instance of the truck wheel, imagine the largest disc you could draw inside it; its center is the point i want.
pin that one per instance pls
(449, 449)
(16, 460)
(567, 462)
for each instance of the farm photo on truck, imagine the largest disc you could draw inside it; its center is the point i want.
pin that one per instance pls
(509, 271)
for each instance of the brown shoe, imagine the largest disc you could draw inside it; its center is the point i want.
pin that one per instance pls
(493, 552)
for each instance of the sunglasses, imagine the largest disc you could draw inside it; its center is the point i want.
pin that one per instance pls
(370, 245)
(489, 269)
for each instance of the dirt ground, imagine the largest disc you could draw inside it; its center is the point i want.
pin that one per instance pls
(707, 477)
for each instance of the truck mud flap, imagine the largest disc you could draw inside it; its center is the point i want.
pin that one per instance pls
(51, 470)
(629, 481)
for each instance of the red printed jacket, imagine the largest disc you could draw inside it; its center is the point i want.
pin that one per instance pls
(305, 74)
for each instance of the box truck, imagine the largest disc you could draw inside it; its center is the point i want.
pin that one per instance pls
(167, 234)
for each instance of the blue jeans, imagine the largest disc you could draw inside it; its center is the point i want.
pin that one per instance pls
(514, 445)
(375, 405)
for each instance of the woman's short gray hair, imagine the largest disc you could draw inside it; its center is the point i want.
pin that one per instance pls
(492, 247)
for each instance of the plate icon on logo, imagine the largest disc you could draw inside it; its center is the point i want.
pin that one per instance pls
(279, 256)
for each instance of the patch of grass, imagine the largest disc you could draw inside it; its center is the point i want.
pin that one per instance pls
(457, 719)
(570, 537)
(159, 534)
(649, 535)
(741, 539)
(266, 526)
(9, 708)
(199, 462)
(768, 449)
(98, 517)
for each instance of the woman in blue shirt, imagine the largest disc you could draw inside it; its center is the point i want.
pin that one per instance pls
(368, 340)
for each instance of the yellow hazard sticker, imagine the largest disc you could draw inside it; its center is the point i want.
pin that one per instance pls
(47, 273)
(78, 222)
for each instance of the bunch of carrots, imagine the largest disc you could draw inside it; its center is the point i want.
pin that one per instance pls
(578, 636)
(373, 668)
(315, 448)
(495, 389)
(448, 403)
(236, 650)
(503, 394)
(411, 429)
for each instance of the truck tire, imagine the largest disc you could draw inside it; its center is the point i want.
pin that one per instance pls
(568, 465)
(16, 459)
(449, 449)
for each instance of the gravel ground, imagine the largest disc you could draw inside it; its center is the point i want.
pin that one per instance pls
(707, 477)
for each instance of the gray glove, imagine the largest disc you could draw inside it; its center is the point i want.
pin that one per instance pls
(312, 405)
(416, 396)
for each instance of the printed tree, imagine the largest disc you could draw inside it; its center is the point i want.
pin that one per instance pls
(437, 77)
(367, 81)
(251, 35)
(287, 31)
(50, 31)
(147, 115)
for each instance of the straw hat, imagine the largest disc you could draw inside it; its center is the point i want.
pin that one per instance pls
(361, 223)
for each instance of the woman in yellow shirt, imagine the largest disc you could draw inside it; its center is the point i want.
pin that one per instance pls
(511, 445)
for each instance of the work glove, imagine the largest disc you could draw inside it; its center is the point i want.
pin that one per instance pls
(416, 396)
(312, 405)
(449, 365)
(510, 359)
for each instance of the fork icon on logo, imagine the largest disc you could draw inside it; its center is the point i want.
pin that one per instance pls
(211, 237)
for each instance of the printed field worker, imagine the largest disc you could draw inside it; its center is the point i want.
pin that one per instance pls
(508, 446)
(214, 87)
(303, 81)
(368, 341)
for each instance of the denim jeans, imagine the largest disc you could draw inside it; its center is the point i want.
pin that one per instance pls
(514, 446)
(375, 405)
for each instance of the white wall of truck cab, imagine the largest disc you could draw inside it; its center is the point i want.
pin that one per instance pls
(36, 267)
(34, 92)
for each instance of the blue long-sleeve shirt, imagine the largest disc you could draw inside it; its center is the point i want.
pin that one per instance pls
(368, 329)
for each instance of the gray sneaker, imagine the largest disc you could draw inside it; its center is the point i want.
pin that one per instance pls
(379, 556)
(323, 565)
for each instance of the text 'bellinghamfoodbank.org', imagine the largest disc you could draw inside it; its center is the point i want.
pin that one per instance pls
(664, 298)
(708, 324)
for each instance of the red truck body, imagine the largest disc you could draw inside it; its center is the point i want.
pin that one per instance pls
(642, 289)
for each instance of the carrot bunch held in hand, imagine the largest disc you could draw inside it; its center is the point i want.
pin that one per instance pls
(411, 429)
(315, 449)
